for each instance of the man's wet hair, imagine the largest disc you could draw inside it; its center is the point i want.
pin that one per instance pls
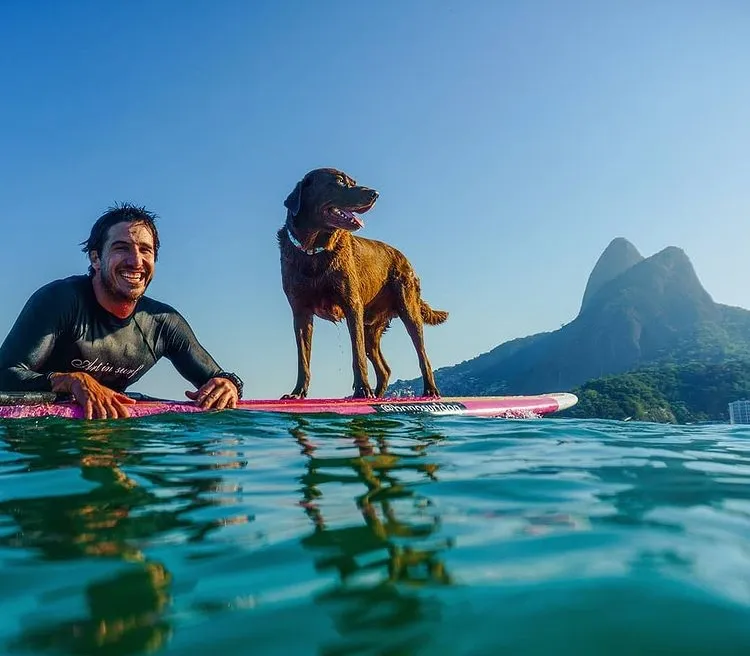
(119, 213)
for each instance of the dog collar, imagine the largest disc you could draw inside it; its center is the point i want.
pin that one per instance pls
(296, 242)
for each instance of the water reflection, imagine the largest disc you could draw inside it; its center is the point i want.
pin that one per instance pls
(126, 615)
(115, 519)
(133, 537)
(374, 528)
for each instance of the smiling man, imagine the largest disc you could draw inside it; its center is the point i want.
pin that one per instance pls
(92, 336)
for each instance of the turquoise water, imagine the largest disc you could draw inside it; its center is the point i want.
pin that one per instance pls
(263, 534)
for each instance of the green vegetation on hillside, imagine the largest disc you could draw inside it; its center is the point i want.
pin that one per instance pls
(680, 394)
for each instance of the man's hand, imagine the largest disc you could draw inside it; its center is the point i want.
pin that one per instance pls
(217, 393)
(97, 401)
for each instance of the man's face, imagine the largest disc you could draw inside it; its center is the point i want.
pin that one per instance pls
(125, 266)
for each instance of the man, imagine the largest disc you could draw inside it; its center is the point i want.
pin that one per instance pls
(93, 336)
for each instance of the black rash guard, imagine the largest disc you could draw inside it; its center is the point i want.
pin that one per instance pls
(63, 328)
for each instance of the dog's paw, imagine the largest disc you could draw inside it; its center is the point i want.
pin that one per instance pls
(294, 395)
(363, 392)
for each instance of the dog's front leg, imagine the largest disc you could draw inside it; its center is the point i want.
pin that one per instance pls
(303, 332)
(356, 324)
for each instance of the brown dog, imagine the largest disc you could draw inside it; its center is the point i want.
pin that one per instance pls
(328, 272)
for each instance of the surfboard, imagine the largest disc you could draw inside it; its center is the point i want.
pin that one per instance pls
(44, 404)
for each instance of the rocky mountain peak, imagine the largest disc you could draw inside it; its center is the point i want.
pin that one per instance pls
(617, 258)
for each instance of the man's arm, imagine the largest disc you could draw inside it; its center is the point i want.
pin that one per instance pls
(29, 343)
(216, 388)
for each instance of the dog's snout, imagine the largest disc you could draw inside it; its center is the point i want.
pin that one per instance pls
(373, 194)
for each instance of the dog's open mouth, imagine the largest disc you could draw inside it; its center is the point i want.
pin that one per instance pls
(345, 219)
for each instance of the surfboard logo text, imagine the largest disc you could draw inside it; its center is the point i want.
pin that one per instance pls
(429, 407)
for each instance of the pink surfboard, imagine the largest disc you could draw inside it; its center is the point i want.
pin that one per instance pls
(40, 405)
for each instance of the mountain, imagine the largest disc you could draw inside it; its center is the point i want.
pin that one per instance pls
(617, 258)
(635, 312)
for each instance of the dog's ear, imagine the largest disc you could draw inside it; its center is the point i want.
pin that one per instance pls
(293, 201)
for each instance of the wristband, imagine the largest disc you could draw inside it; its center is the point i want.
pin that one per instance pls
(234, 378)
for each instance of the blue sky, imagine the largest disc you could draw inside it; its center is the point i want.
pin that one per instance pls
(510, 142)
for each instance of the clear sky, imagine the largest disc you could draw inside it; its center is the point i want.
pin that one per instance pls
(509, 141)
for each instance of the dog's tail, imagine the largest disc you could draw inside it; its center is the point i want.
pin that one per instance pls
(430, 316)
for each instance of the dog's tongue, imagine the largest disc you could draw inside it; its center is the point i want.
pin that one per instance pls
(353, 218)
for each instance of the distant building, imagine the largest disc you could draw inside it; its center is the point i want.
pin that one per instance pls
(739, 412)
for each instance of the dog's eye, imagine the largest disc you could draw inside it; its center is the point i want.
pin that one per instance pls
(342, 182)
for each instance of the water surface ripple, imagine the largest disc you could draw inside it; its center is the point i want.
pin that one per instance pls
(234, 533)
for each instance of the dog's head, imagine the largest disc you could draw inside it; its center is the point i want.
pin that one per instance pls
(328, 199)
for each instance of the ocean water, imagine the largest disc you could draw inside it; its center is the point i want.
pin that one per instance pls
(234, 533)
